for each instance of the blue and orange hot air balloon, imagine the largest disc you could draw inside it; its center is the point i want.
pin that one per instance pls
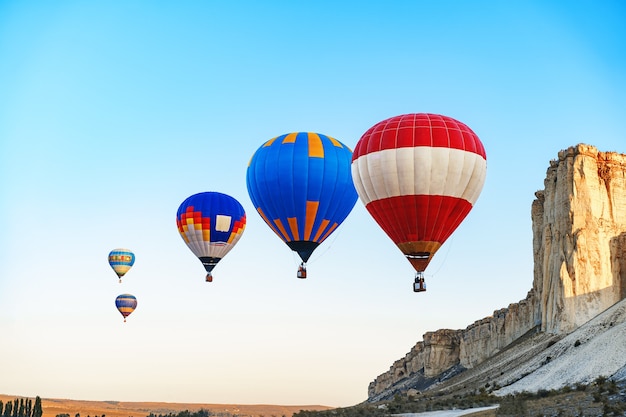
(126, 304)
(121, 260)
(210, 223)
(419, 175)
(301, 186)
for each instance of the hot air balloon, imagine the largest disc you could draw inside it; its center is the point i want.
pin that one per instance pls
(300, 184)
(210, 223)
(419, 175)
(126, 304)
(121, 260)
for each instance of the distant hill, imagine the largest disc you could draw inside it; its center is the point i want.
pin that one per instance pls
(52, 407)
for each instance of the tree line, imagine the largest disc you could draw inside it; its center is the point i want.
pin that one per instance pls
(200, 413)
(21, 407)
(76, 415)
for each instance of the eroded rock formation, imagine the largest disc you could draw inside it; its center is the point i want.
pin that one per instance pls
(579, 224)
(579, 247)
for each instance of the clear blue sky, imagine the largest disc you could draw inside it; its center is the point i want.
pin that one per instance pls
(113, 112)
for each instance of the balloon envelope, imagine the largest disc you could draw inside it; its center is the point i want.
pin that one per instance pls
(210, 223)
(301, 186)
(419, 176)
(126, 304)
(121, 260)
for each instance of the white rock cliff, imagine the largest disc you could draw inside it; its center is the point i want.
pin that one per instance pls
(579, 250)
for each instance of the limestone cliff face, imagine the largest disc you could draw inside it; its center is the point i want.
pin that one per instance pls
(579, 228)
(490, 335)
(579, 247)
(438, 352)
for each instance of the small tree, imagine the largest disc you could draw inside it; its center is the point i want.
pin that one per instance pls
(37, 410)
(8, 409)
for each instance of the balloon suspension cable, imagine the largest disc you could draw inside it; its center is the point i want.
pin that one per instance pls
(328, 243)
(302, 270)
(445, 256)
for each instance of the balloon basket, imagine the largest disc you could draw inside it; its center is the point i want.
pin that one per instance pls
(302, 271)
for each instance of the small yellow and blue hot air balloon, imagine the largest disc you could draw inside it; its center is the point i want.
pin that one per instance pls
(121, 260)
(211, 224)
(300, 184)
(126, 304)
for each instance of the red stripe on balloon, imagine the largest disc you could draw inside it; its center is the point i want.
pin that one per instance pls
(414, 218)
(419, 129)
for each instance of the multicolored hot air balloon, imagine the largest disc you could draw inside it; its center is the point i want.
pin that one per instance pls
(126, 304)
(419, 176)
(301, 186)
(121, 260)
(210, 223)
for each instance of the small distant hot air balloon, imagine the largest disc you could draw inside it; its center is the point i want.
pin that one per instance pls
(121, 260)
(301, 186)
(126, 304)
(419, 176)
(210, 223)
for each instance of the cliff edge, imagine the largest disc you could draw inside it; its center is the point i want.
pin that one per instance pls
(579, 251)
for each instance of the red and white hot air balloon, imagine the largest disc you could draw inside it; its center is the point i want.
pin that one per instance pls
(419, 176)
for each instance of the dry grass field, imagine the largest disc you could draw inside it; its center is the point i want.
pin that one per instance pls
(53, 407)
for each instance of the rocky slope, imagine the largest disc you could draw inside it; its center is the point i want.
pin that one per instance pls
(579, 246)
